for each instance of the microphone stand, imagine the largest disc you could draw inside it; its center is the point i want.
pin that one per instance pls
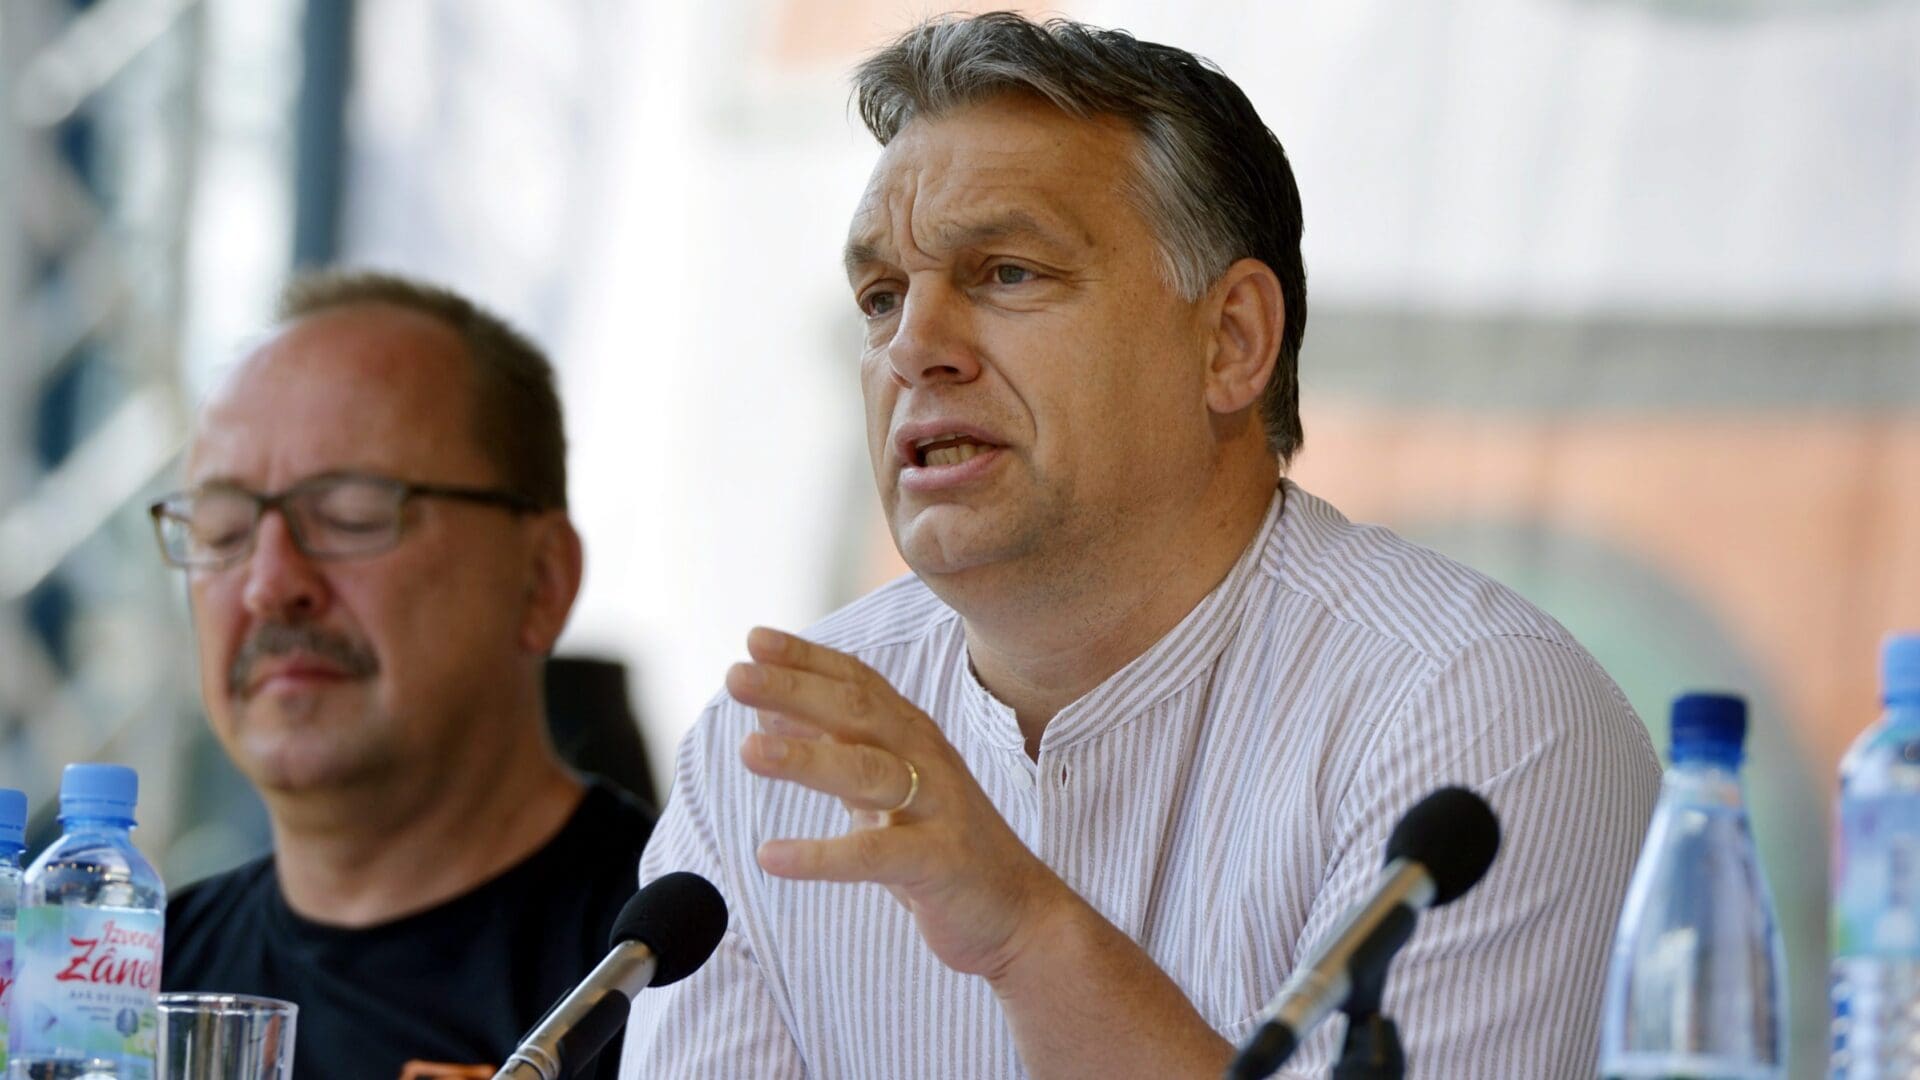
(1372, 1048)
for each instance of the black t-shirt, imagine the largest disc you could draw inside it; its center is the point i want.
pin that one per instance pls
(438, 995)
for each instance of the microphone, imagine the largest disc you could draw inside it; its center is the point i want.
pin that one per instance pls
(662, 935)
(1439, 850)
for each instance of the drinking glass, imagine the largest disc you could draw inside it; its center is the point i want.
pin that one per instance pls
(226, 1037)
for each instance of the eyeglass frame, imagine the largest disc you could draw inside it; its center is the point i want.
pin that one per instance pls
(511, 501)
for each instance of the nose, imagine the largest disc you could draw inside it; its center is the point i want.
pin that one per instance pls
(934, 340)
(282, 582)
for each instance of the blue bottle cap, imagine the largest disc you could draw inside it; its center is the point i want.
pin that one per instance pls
(1900, 668)
(13, 817)
(91, 790)
(1710, 728)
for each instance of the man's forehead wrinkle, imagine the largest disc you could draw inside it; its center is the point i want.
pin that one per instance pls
(967, 231)
(941, 198)
(871, 239)
(989, 204)
(866, 232)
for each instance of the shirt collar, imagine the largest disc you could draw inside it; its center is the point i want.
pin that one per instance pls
(1170, 664)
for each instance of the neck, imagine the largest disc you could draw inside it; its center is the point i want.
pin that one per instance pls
(397, 844)
(1042, 647)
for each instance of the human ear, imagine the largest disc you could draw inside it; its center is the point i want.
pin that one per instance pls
(1248, 315)
(553, 582)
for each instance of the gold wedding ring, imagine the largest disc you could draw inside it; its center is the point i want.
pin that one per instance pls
(913, 788)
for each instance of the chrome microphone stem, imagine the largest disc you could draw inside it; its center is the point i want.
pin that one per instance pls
(529, 1063)
(543, 1055)
(1318, 987)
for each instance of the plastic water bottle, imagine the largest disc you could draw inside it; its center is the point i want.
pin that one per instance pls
(13, 839)
(1876, 884)
(91, 911)
(1697, 983)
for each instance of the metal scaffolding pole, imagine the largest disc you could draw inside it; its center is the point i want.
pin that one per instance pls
(99, 124)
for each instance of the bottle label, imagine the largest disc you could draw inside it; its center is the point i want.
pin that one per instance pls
(88, 985)
(6, 990)
(1876, 877)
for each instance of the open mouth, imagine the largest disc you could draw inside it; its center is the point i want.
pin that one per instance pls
(947, 450)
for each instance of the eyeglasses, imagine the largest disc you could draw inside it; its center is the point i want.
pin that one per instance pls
(335, 516)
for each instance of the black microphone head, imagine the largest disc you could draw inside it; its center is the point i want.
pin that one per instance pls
(1452, 833)
(680, 918)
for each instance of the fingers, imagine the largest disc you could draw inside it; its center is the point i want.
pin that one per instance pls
(770, 646)
(864, 777)
(782, 724)
(884, 856)
(832, 724)
(839, 697)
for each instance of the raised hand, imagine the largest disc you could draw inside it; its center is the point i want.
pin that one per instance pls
(922, 826)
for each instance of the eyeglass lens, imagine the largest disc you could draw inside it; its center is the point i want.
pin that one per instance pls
(329, 516)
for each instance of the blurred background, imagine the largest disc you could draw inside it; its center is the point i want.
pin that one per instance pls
(1617, 300)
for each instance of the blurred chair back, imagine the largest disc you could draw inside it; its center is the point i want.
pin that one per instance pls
(593, 723)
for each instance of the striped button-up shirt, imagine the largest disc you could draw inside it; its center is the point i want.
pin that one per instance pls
(1224, 799)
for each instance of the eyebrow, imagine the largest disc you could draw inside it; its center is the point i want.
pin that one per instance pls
(859, 253)
(229, 482)
(863, 251)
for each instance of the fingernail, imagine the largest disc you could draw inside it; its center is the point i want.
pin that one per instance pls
(750, 675)
(768, 640)
(771, 747)
(773, 856)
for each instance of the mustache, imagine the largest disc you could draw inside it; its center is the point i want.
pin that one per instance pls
(280, 639)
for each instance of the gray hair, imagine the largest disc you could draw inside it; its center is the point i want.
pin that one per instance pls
(1211, 180)
(516, 416)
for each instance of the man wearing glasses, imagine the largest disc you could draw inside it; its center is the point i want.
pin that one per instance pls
(378, 555)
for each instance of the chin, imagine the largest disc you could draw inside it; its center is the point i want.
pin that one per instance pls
(293, 745)
(295, 767)
(938, 552)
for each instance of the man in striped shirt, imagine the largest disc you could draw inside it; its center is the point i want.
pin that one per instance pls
(1077, 796)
